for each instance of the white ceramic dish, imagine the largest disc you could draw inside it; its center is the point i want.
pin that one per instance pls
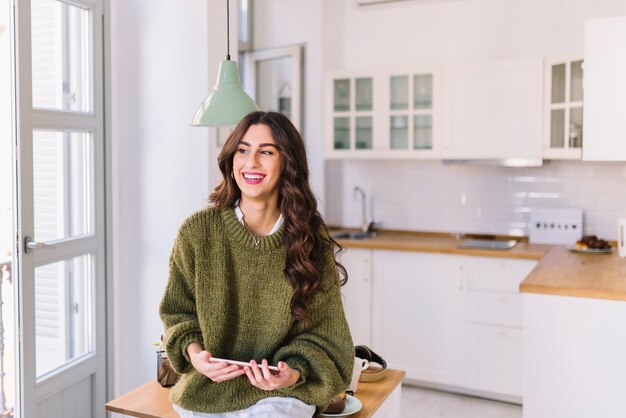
(591, 250)
(353, 405)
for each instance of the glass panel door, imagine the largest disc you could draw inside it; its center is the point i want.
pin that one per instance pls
(60, 205)
(352, 116)
(8, 382)
(565, 105)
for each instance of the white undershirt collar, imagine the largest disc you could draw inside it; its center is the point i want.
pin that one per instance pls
(277, 225)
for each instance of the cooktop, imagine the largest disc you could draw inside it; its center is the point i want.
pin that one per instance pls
(490, 244)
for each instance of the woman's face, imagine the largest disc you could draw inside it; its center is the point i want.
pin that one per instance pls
(258, 164)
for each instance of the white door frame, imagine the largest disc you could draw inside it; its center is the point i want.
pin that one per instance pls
(33, 390)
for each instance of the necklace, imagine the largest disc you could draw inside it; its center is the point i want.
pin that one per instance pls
(257, 240)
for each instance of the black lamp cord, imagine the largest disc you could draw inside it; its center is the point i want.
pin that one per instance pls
(227, 30)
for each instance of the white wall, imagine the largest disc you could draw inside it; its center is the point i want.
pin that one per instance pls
(426, 195)
(440, 31)
(431, 196)
(159, 75)
(280, 23)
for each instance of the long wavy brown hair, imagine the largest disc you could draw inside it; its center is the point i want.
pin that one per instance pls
(306, 235)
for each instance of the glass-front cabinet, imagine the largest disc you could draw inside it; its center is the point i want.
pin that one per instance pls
(409, 114)
(374, 115)
(351, 107)
(563, 136)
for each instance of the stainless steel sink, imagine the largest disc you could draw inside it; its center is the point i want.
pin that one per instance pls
(354, 235)
(489, 244)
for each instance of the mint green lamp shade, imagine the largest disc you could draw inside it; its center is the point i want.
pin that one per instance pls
(227, 104)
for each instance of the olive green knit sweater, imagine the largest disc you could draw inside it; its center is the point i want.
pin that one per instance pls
(231, 296)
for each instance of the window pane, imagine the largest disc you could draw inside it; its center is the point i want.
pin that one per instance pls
(63, 312)
(422, 132)
(62, 179)
(364, 94)
(60, 39)
(558, 83)
(342, 95)
(399, 132)
(399, 92)
(576, 127)
(576, 82)
(364, 133)
(342, 133)
(557, 128)
(423, 91)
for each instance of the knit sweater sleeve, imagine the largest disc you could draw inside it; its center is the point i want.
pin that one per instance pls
(178, 305)
(321, 349)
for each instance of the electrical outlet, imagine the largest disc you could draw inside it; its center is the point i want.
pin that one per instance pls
(555, 225)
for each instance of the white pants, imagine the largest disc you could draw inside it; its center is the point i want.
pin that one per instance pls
(275, 407)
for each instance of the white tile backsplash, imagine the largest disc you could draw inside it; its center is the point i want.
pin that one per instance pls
(432, 196)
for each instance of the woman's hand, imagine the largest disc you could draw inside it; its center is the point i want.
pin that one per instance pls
(261, 376)
(217, 372)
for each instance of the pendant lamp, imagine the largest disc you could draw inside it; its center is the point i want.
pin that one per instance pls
(228, 103)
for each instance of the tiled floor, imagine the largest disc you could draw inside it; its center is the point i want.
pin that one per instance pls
(426, 403)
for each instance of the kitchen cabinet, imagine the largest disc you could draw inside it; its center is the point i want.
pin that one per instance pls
(495, 324)
(382, 115)
(352, 121)
(493, 110)
(357, 293)
(410, 115)
(605, 90)
(418, 315)
(563, 108)
(451, 321)
(574, 363)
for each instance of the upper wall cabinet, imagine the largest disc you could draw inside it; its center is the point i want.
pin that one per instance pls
(410, 116)
(493, 110)
(375, 115)
(352, 121)
(563, 108)
(605, 90)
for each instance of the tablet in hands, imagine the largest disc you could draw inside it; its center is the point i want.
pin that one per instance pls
(239, 363)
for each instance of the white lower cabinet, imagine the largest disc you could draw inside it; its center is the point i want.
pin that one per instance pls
(494, 324)
(448, 320)
(494, 359)
(419, 315)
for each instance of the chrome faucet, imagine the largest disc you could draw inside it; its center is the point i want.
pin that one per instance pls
(366, 224)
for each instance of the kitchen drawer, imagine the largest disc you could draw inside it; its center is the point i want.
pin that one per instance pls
(494, 356)
(495, 308)
(503, 274)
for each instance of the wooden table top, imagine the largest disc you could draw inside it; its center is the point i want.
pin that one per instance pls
(150, 400)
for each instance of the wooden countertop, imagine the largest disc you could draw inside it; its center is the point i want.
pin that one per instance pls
(559, 271)
(441, 243)
(150, 400)
(562, 272)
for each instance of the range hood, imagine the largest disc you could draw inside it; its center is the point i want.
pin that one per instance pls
(375, 2)
(499, 162)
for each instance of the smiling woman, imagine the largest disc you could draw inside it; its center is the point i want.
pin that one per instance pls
(254, 279)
